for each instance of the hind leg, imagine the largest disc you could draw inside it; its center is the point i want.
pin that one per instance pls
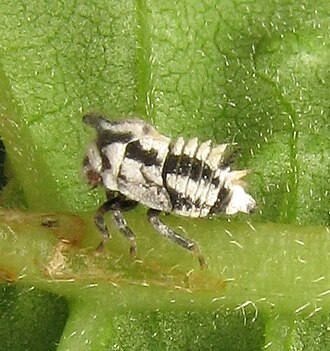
(163, 229)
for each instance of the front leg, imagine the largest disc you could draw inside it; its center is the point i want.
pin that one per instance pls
(100, 222)
(163, 229)
(116, 204)
(122, 226)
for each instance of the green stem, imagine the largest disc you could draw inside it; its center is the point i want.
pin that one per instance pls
(251, 267)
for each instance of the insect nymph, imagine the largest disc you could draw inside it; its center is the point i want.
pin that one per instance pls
(136, 164)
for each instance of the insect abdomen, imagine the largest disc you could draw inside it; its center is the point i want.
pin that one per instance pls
(194, 178)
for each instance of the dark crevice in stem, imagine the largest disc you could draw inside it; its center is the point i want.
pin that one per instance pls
(144, 60)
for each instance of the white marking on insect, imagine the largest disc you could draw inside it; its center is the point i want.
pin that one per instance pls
(178, 146)
(203, 150)
(216, 155)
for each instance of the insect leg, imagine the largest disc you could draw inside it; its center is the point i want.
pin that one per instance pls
(163, 229)
(125, 229)
(116, 204)
(100, 223)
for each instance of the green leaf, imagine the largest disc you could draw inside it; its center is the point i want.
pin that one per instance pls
(254, 73)
(36, 318)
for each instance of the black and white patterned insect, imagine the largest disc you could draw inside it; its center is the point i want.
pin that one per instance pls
(136, 164)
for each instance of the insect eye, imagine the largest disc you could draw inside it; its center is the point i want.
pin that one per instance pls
(93, 178)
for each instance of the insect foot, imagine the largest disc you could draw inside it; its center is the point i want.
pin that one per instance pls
(136, 164)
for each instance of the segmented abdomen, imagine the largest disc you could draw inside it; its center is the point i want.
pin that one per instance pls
(194, 175)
